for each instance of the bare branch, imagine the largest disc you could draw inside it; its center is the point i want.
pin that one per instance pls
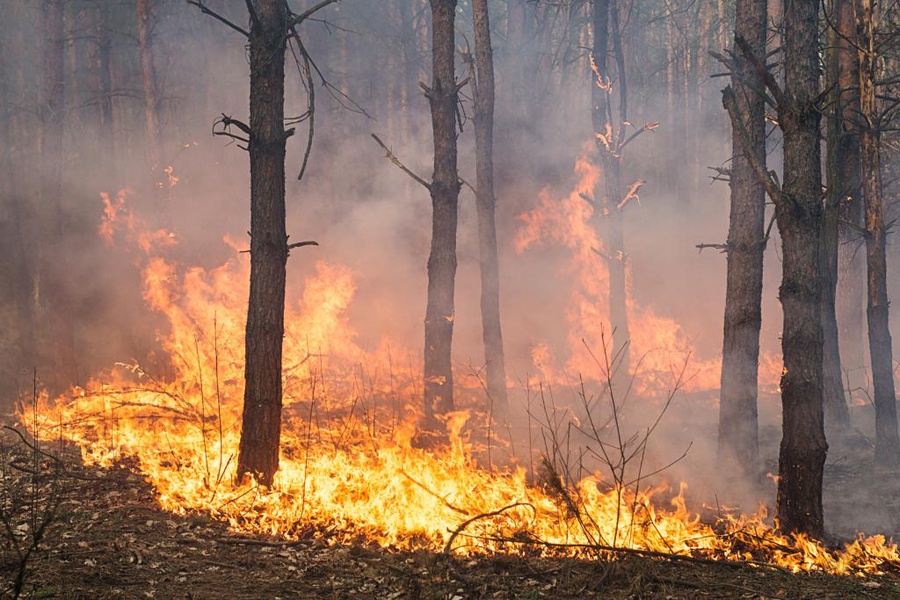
(729, 101)
(297, 19)
(390, 155)
(207, 11)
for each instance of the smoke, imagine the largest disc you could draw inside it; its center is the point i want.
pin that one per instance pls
(368, 216)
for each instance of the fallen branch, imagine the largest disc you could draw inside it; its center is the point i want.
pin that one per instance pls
(449, 545)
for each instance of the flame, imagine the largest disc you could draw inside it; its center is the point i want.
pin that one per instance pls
(348, 467)
(664, 355)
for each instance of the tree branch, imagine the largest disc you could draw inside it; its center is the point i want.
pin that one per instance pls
(297, 19)
(729, 101)
(390, 155)
(207, 11)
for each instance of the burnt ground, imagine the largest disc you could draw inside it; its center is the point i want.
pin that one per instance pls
(108, 538)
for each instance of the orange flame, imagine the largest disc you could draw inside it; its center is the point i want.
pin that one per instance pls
(347, 465)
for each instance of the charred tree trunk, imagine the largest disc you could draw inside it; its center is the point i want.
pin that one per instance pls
(738, 417)
(609, 136)
(887, 444)
(799, 214)
(439, 313)
(261, 421)
(486, 204)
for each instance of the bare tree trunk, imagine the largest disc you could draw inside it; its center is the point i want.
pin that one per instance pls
(799, 213)
(887, 444)
(848, 185)
(486, 204)
(49, 294)
(738, 417)
(842, 178)
(261, 430)
(609, 137)
(145, 23)
(439, 313)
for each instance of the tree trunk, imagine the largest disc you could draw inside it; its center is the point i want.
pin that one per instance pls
(842, 183)
(54, 325)
(887, 444)
(439, 313)
(145, 21)
(799, 214)
(261, 431)
(738, 450)
(486, 204)
(606, 30)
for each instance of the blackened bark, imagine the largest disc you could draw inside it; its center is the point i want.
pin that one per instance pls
(604, 14)
(799, 215)
(738, 450)
(486, 203)
(439, 313)
(261, 421)
(887, 444)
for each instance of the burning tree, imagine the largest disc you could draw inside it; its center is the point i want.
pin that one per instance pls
(610, 139)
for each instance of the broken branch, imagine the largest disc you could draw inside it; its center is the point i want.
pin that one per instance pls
(390, 155)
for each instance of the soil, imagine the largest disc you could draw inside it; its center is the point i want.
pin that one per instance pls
(106, 537)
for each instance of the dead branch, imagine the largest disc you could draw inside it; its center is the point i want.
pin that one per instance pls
(729, 101)
(631, 194)
(723, 247)
(648, 127)
(425, 489)
(301, 244)
(390, 155)
(763, 73)
(449, 545)
(297, 19)
(207, 11)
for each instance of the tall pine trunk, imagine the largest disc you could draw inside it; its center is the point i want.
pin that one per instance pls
(439, 313)
(842, 184)
(799, 214)
(261, 431)
(486, 204)
(887, 444)
(738, 418)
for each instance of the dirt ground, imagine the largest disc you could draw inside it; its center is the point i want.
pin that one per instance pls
(106, 537)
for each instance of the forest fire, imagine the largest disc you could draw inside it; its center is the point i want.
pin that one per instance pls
(349, 470)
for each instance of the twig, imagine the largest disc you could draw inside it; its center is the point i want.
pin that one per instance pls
(449, 545)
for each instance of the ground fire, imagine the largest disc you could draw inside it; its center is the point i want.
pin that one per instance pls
(349, 469)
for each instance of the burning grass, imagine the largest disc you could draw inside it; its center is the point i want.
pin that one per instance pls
(349, 467)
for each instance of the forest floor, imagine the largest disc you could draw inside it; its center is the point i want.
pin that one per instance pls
(108, 538)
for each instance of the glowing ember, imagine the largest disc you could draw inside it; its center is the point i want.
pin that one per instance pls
(348, 467)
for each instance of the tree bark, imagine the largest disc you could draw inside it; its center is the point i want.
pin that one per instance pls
(799, 214)
(887, 444)
(439, 313)
(738, 450)
(486, 204)
(261, 420)
(145, 21)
